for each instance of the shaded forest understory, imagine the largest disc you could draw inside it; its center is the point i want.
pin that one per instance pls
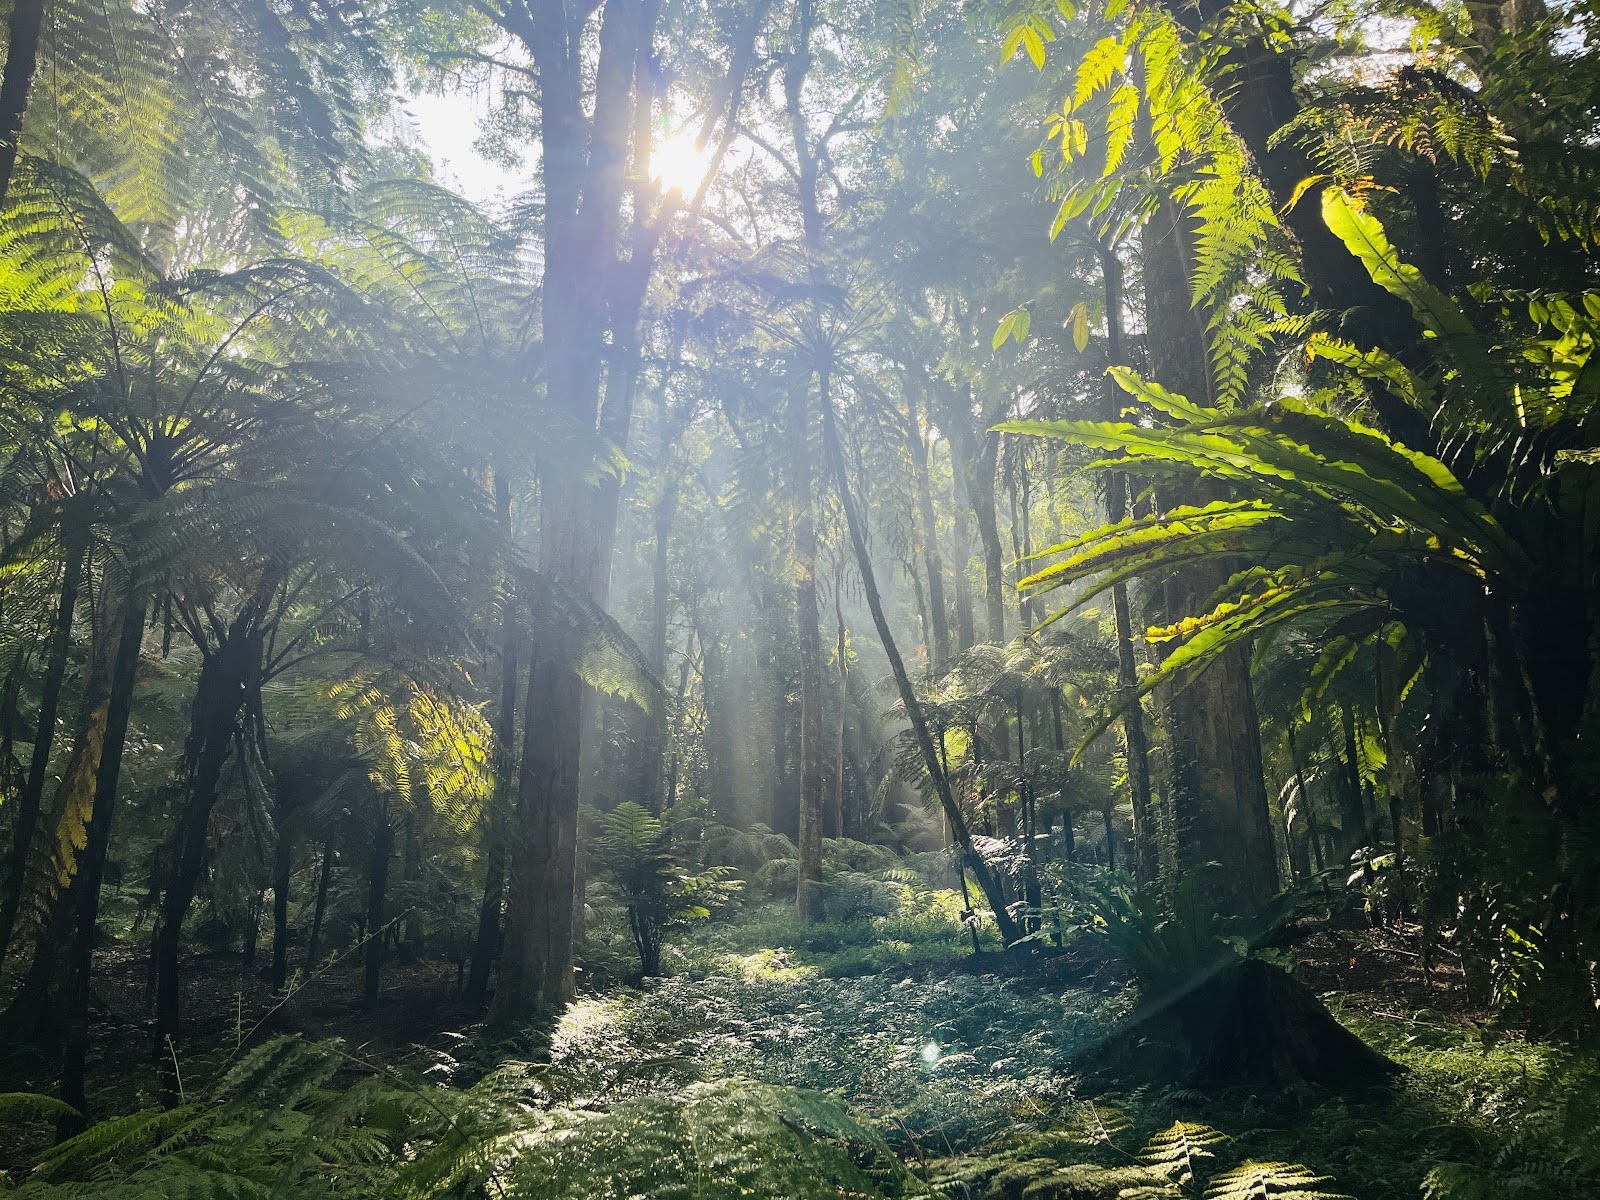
(982, 1075)
(800, 598)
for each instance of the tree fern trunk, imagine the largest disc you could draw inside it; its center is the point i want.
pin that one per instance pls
(219, 699)
(377, 886)
(92, 861)
(22, 59)
(75, 546)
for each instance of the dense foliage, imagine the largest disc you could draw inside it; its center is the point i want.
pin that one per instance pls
(879, 617)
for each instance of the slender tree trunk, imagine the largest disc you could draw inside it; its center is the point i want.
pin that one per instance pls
(934, 563)
(22, 59)
(1146, 860)
(836, 814)
(808, 895)
(979, 469)
(314, 944)
(282, 871)
(1312, 831)
(219, 698)
(411, 871)
(92, 860)
(75, 547)
(655, 746)
(988, 880)
(1061, 749)
(252, 930)
(1219, 795)
(966, 624)
(377, 886)
(1352, 813)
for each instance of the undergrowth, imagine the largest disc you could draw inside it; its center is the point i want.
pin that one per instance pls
(773, 1062)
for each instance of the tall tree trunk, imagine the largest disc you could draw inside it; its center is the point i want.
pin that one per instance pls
(988, 879)
(655, 747)
(584, 170)
(966, 624)
(934, 563)
(1219, 795)
(1146, 859)
(979, 466)
(486, 944)
(75, 547)
(808, 895)
(836, 810)
(85, 889)
(723, 776)
(22, 60)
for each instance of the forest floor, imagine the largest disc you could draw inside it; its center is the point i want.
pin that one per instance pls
(966, 1066)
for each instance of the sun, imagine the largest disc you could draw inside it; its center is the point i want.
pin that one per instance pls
(679, 165)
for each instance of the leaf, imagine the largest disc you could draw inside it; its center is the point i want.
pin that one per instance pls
(1078, 322)
(1034, 45)
(1014, 325)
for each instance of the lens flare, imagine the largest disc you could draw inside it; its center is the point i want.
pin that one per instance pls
(679, 165)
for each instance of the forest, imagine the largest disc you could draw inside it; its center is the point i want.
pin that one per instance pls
(987, 600)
